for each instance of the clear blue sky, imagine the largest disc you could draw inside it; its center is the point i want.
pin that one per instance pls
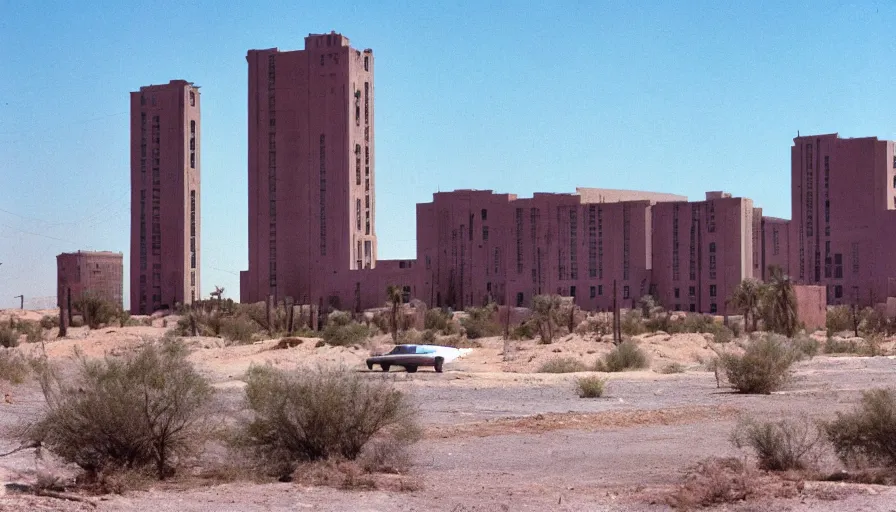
(675, 96)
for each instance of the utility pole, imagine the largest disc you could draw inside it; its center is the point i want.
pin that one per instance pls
(21, 301)
(617, 337)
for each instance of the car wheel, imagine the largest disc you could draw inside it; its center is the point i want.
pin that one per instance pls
(370, 366)
(385, 367)
(439, 362)
(411, 369)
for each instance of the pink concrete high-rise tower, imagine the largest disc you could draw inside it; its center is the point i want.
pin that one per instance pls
(311, 169)
(164, 196)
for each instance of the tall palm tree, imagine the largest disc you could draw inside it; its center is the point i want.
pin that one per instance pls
(780, 303)
(394, 297)
(746, 298)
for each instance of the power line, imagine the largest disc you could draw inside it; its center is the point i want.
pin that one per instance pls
(37, 234)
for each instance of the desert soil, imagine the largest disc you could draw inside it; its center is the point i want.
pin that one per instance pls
(498, 435)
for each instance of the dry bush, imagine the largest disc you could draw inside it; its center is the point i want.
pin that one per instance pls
(838, 319)
(595, 325)
(762, 368)
(439, 320)
(14, 367)
(319, 414)
(673, 368)
(409, 337)
(145, 411)
(48, 322)
(590, 387)
(342, 331)
(562, 365)
(808, 347)
(9, 337)
(478, 323)
(390, 451)
(788, 444)
(867, 434)
(285, 343)
(632, 323)
(239, 329)
(841, 346)
(524, 331)
(98, 312)
(716, 481)
(428, 337)
(625, 356)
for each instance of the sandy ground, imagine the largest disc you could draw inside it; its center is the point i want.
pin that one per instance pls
(498, 436)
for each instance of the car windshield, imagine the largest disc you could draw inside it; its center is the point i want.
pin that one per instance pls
(404, 349)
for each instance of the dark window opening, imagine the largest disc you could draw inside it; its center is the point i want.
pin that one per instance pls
(484, 212)
(838, 292)
(519, 299)
(485, 233)
(712, 290)
(625, 292)
(677, 293)
(592, 292)
(713, 308)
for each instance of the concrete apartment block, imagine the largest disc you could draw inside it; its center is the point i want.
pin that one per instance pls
(311, 172)
(843, 229)
(165, 196)
(702, 250)
(85, 273)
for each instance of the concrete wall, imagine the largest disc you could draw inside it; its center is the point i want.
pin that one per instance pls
(89, 273)
(811, 306)
(165, 196)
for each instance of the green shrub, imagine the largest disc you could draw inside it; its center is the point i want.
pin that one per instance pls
(562, 365)
(145, 411)
(762, 368)
(409, 337)
(625, 356)
(781, 445)
(33, 332)
(13, 366)
(97, 311)
(428, 337)
(720, 333)
(868, 433)
(317, 415)
(478, 323)
(342, 331)
(590, 387)
(9, 337)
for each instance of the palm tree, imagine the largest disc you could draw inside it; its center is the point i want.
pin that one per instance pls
(780, 303)
(394, 297)
(746, 299)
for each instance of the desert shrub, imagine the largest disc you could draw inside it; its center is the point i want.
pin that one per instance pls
(841, 346)
(590, 387)
(873, 321)
(478, 323)
(458, 341)
(562, 365)
(342, 331)
(317, 415)
(409, 337)
(631, 323)
(673, 368)
(762, 368)
(547, 316)
(806, 345)
(658, 322)
(390, 452)
(867, 434)
(381, 320)
(625, 356)
(595, 325)
(239, 329)
(201, 322)
(524, 331)
(14, 367)
(838, 319)
(693, 322)
(428, 337)
(9, 337)
(145, 411)
(716, 481)
(720, 333)
(788, 444)
(48, 322)
(97, 311)
(439, 320)
(873, 346)
(33, 332)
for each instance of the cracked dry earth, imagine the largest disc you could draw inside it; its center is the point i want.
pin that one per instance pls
(498, 440)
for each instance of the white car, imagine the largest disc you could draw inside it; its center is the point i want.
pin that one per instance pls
(410, 357)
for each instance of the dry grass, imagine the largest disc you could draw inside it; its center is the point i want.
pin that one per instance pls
(591, 387)
(626, 356)
(716, 481)
(784, 445)
(14, 367)
(566, 364)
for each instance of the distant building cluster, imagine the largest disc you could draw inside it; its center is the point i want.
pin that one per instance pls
(312, 220)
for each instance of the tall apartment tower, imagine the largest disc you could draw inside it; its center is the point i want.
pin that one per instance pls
(164, 196)
(311, 169)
